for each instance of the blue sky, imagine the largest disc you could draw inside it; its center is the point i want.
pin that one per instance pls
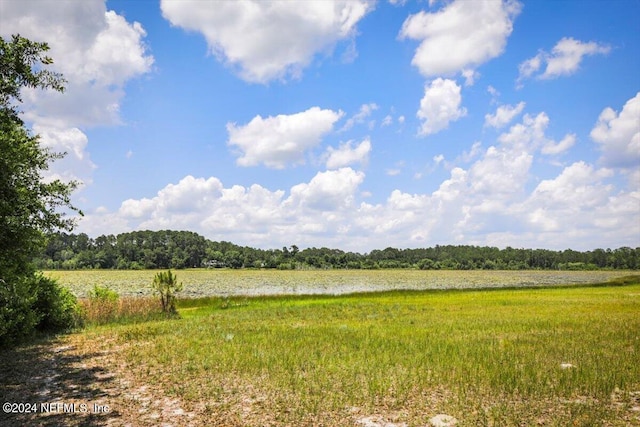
(348, 124)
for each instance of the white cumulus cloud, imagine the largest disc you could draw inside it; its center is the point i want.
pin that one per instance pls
(330, 190)
(77, 164)
(347, 154)
(564, 59)
(253, 215)
(574, 187)
(619, 135)
(281, 140)
(97, 51)
(531, 134)
(503, 115)
(268, 40)
(440, 106)
(487, 204)
(570, 201)
(496, 200)
(462, 35)
(551, 147)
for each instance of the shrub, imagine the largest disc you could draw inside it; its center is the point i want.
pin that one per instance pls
(286, 266)
(34, 303)
(17, 319)
(104, 294)
(166, 284)
(428, 264)
(56, 307)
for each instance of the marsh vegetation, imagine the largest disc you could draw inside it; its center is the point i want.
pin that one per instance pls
(252, 282)
(558, 355)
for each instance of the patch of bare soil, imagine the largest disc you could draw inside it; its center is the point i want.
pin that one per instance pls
(72, 382)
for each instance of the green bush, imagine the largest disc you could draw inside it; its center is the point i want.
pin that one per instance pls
(17, 319)
(286, 266)
(103, 294)
(33, 304)
(56, 307)
(428, 264)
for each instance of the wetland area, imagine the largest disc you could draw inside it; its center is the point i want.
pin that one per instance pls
(464, 348)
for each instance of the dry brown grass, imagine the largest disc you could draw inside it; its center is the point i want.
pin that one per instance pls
(124, 309)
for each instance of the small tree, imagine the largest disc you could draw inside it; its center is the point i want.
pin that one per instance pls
(29, 204)
(166, 284)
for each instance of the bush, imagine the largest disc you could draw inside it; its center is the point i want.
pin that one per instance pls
(103, 294)
(286, 266)
(428, 264)
(17, 319)
(56, 307)
(33, 304)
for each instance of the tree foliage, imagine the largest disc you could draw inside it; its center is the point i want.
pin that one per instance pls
(166, 285)
(29, 205)
(184, 249)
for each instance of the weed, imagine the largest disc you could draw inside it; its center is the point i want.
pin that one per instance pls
(106, 306)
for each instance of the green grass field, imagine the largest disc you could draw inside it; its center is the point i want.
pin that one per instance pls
(519, 356)
(552, 356)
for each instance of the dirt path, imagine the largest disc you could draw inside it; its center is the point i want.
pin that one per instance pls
(73, 382)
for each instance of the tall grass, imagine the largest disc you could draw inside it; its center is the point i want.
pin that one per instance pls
(116, 309)
(555, 357)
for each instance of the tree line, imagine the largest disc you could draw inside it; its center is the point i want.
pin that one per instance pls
(184, 249)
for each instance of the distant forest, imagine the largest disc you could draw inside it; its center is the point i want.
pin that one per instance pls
(185, 249)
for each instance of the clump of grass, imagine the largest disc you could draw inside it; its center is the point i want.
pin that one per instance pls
(105, 306)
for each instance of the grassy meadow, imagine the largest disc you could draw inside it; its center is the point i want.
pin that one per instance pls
(343, 348)
(552, 356)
